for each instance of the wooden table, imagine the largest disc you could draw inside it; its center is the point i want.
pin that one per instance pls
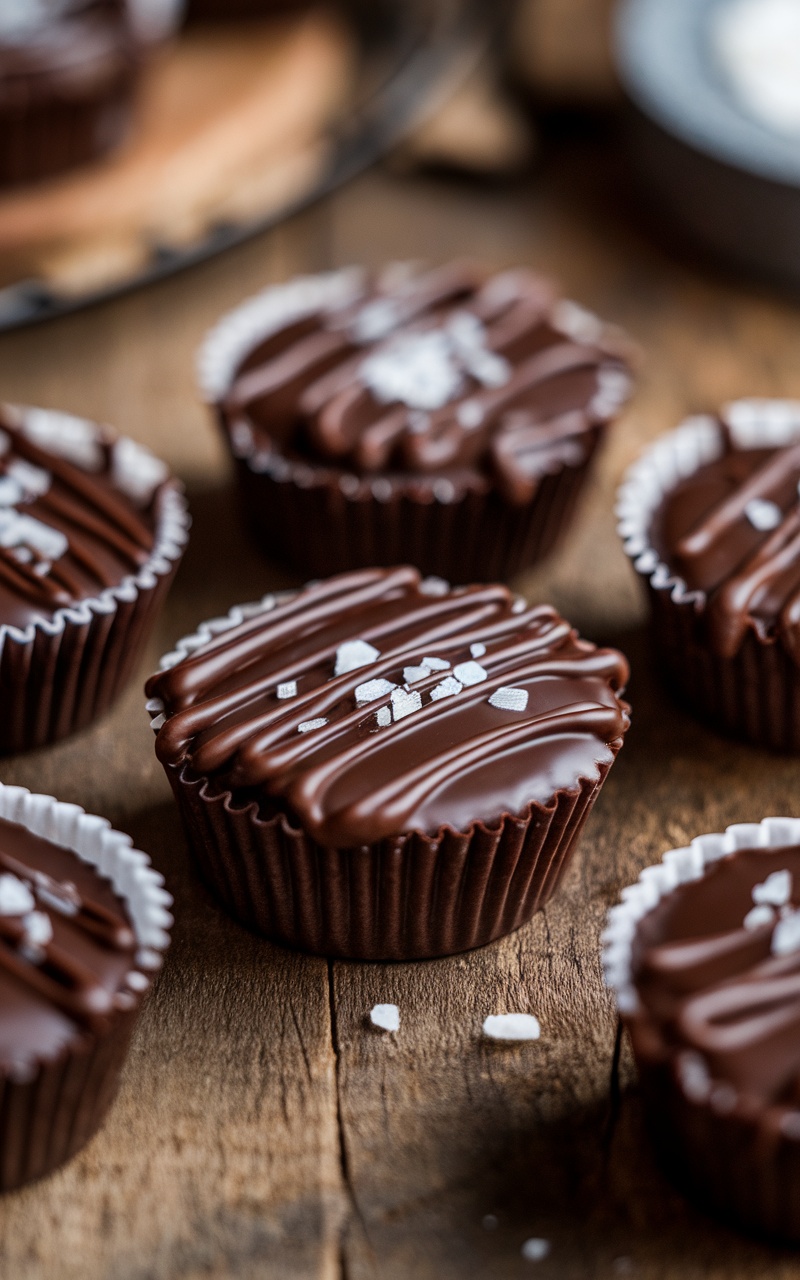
(263, 1130)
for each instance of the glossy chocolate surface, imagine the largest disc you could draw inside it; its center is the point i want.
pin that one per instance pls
(732, 531)
(77, 512)
(66, 948)
(446, 375)
(373, 703)
(717, 967)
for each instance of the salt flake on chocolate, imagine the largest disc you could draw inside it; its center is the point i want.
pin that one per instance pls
(371, 690)
(18, 530)
(413, 675)
(776, 890)
(16, 898)
(436, 664)
(757, 917)
(405, 702)
(469, 673)
(136, 471)
(507, 699)
(306, 726)
(786, 938)
(354, 654)
(383, 717)
(38, 929)
(287, 689)
(477, 650)
(446, 688)
(763, 515)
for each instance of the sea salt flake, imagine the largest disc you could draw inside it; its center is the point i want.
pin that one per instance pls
(405, 702)
(695, 1079)
(434, 586)
(306, 726)
(386, 1017)
(446, 688)
(287, 689)
(763, 515)
(507, 699)
(38, 929)
(16, 898)
(354, 654)
(436, 664)
(535, 1249)
(33, 480)
(477, 650)
(786, 938)
(413, 675)
(759, 916)
(469, 673)
(383, 716)
(519, 606)
(512, 1027)
(776, 890)
(371, 690)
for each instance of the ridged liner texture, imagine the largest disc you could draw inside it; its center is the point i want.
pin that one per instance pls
(742, 1166)
(58, 675)
(50, 1107)
(754, 695)
(322, 520)
(411, 897)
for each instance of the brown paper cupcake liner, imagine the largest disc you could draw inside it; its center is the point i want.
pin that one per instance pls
(740, 1162)
(411, 897)
(313, 522)
(57, 675)
(50, 1107)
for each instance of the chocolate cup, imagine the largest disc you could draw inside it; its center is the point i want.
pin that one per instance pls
(55, 680)
(323, 522)
(410, 897)
(755, 695)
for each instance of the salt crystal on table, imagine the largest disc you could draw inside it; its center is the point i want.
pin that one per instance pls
(535, 1249)
(776, 890)
(386, 1017)
(354, 654)
(512, 1027)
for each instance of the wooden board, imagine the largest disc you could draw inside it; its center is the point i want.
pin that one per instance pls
(263, 1130)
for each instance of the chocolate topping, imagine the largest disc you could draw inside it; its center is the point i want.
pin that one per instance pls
(373, 703)
(717, 968)
(77, 512)
(731, 531)
(447, 375)
(48, 46)
(67, 946)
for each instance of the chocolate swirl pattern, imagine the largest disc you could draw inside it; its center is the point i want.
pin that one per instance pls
(76, 512)
(447, 374)
(374, 703)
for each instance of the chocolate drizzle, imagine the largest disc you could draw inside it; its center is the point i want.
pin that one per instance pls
(406, 736)
(67, 532)
(721, 997)
(443, 375)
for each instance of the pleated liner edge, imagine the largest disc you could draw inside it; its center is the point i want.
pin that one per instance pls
(409, 897)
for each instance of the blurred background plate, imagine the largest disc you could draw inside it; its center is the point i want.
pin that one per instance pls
(709, 161)
(239, 126)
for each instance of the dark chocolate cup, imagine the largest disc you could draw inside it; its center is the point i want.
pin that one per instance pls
(50, 1107)
(735, 1161)
(411, 897)
(59, 675)
(323, 522)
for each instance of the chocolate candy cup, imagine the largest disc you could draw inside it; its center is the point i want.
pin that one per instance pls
(67, 84)
(78, 604)
(446, 419)
(418, 862)
(712, 1048)
(61, 1057)
(729, 652)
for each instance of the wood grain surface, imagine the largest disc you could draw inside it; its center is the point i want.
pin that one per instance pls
(263, 1129)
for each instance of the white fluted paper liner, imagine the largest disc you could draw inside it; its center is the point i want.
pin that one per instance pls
(112, 853)
(753, 424)
(678, 866)
(67, 436)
